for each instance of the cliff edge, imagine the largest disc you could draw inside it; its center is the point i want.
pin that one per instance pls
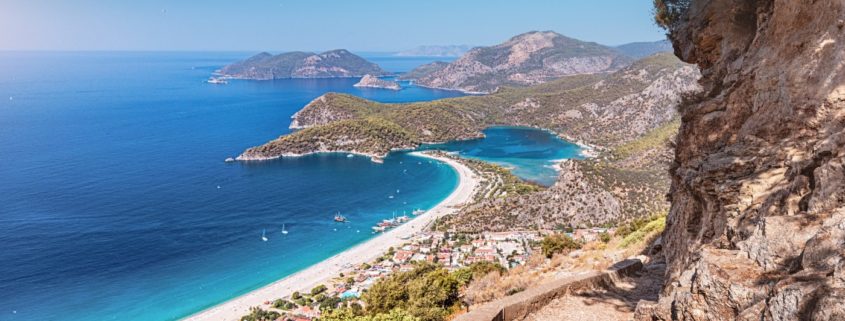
(757, 223)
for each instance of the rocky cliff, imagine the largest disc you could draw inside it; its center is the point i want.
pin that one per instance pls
(756, 229)
(330, 64)
(523, 60)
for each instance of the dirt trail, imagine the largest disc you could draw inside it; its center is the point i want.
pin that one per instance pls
(617, 303)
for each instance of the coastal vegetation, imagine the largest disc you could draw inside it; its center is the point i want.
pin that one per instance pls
(600, 191)
(558, 243)
(428, 292)
(258, 314)
(373, 135)
(329, 64)
(601, 109)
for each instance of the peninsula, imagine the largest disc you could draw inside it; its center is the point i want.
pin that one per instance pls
(602, 109)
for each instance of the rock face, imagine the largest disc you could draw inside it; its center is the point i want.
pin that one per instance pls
(756, 229)
(526, 59)
(330, 64)
(371, 81)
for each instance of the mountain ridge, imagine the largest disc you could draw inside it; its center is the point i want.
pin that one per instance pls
(527, 59)
(338, 63)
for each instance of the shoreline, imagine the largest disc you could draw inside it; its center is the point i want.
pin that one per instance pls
(329, 268)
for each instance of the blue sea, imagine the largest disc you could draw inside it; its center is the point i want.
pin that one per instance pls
(115, 202)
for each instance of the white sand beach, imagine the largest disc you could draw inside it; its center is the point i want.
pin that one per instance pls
(365, 252)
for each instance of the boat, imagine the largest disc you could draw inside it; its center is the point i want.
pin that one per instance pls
(350, 156)
(418, 211)
(379, 228)
(284, 231)
(264, 235)
(339, 218)
(217, 81)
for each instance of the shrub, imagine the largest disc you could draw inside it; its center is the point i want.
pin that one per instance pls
(428, 292)
(351, 315)
(283, 304)
(476, 270)
(257, 314)
(558, 243)
(668, 12)
(318, 289)
(604, 237)
(654, 226)
(495, 285)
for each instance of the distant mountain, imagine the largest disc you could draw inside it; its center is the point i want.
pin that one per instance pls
(639, 50)
(330, 64)
(527, 59)
(436, 51)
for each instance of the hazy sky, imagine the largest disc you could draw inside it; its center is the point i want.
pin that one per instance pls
(284, 25)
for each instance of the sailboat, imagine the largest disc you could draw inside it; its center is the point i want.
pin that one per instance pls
(284, 231)
(264, 235)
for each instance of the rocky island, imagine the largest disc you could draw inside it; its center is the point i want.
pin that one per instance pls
(330, 64)
(370, 81)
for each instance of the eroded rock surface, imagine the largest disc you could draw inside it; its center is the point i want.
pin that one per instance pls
(756, 230)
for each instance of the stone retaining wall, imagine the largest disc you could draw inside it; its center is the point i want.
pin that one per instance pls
(519, 305)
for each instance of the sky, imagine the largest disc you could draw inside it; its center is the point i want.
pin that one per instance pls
(286, 25)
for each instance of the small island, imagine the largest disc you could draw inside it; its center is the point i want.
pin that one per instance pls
(339, 63)
(370, 81)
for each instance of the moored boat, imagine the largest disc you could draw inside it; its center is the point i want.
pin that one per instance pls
(339, 218)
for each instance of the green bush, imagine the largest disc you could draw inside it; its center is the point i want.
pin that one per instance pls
(428, 292)
(558, 243)
(668, 12)
(349, 314)
(283, 304)
(318, 289)
(656, 225)
(257, 314)
(476, 270)
(604, 237)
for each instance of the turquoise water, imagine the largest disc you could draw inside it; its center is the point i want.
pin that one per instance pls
(116, 203)
(529, 153)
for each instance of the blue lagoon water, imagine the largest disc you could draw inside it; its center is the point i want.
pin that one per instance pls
(115, 202)
(530, 153)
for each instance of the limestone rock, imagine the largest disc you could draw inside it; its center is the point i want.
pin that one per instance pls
(758, 173)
